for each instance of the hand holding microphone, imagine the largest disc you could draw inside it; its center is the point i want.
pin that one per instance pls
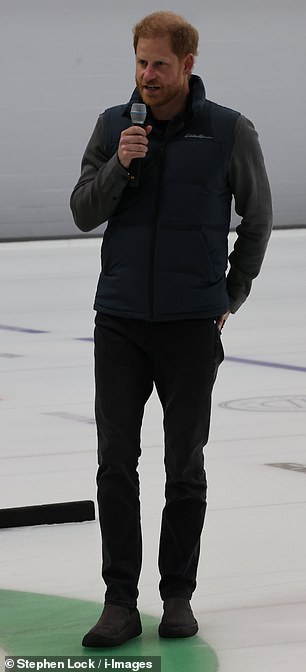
(133, 144)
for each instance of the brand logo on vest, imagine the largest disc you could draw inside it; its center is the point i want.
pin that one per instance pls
(199, 136)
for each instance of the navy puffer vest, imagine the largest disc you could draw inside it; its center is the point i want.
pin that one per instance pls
(164, 252)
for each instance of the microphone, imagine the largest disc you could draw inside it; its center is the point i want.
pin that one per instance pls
(138, 114)
(138, 117)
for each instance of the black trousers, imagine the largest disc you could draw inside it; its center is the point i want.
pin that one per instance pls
(181, 358)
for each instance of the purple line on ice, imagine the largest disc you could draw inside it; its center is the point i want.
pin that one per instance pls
(21, 330)
(272, 365)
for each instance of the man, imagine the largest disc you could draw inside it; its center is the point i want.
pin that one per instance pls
(162, 300)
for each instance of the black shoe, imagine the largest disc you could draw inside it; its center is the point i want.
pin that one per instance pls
(178, 619)
(115, 626)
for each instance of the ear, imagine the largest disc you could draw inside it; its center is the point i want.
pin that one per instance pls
(188, 64)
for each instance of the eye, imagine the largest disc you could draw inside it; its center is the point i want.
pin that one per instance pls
(142, 62)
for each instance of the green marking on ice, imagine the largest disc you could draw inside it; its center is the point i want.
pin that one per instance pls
(45, 625)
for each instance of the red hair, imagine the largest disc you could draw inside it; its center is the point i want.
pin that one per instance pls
(184, 38)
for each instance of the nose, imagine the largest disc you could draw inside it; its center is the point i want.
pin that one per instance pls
(149, 72)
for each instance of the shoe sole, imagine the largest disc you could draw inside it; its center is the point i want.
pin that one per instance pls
(168, 632)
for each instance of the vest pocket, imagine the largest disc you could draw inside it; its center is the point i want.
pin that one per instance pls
(211, 271)
(184, 255)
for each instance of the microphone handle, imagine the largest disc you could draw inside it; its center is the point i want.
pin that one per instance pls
(134, 172)
(134, 169)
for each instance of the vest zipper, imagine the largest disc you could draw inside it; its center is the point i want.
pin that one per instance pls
(154, 232)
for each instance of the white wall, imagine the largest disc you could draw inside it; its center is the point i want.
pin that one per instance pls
(64, 61)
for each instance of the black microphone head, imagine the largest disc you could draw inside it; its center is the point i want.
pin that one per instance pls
(138, 114)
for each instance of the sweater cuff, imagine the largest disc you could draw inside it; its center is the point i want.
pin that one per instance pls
(238, 288)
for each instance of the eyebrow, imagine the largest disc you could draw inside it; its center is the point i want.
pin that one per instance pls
(157, 60)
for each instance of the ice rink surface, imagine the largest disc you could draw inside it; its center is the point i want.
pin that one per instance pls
(251, 594)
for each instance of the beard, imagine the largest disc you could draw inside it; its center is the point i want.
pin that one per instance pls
(161, 96)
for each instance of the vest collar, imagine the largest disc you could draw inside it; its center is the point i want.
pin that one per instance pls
(195, 101)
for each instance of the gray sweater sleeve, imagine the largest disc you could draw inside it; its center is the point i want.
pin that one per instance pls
(101, 184)
(250, 187)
